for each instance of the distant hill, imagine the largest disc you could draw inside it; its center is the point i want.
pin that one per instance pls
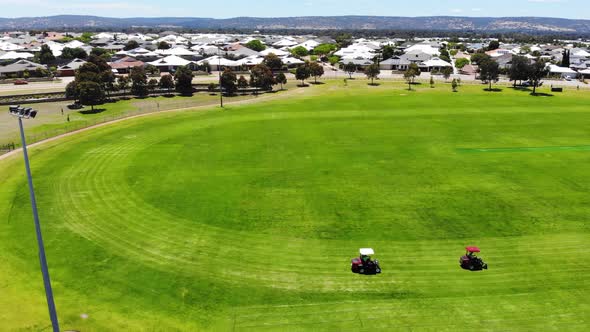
(442, 23)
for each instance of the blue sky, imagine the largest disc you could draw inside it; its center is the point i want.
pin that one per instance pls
(270, 8)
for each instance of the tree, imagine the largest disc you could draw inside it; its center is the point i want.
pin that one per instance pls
(228, 82)
(409, 77)
(72, 91)
(167, 82)
(344, 39)
(152, 85)
(242, 82)
(131, 45)
(302, 73)
(299, 51)
(163, 45)
(281, 79)
(519, 70)
(107, 81)
(372, 72)
(461, 62)
(388, 51)
(431, 82)
(494, 45)
(184, 80)
(123, 84)
(261, 77)
(350, 68)
(256, 45)
(537, 72)
(454, 84)
(97, 51)
(333, 59)
(99, 62)
(316, 70)
(412, 71)
(90, 93)
(273, 62)
(88, 72)
(152, 70)
(324, 49)
(565, 62)
(479, 57)
(73, 53)
(489, 72)
(139, 84)
(46, 55)
(446, 72)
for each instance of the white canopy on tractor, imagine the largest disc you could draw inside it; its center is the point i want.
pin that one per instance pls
(367, 251)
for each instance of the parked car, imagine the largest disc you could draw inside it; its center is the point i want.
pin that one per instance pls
(20, 82)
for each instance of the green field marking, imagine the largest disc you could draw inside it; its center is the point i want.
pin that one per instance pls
(526, 149)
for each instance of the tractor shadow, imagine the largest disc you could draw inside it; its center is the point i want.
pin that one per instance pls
(541, 94)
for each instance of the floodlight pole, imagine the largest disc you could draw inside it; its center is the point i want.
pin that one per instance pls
(42, 259)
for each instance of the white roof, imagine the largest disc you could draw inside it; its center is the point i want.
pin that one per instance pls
(274, 51)
(285, 42)
(436, 62)
(308, 45)
(4, 46)
(251, 60)
(171, 60)
(367, 251)
(16, 55)
(216, 60)
(74, 44)
(180, 51)
(561, 70)
(292, 61)
(582, 53)
(426, 48)
(585, 71)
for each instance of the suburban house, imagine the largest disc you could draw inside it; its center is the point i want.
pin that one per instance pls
(18, 68)
(219, 63)
(395, 63)
(124, 65)
(70, 68)
(416, 56)
(434, 64)
(172, 62)
(562, 71)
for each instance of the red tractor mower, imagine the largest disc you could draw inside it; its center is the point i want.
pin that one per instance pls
(363, 264)
(470, 261)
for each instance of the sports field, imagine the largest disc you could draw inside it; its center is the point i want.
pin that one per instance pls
(246, 219)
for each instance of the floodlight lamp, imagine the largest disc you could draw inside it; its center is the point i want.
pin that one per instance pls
(33, 114)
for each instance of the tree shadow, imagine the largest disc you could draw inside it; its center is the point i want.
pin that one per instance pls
(374, 84)
(95, 111)
(317, 83)
(492, 90)
(541, 94)
(302, 85)
(416, 83)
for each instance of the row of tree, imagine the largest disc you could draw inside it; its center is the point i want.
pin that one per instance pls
(95, 81)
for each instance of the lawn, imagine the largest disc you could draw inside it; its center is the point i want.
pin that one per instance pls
(246, 219)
